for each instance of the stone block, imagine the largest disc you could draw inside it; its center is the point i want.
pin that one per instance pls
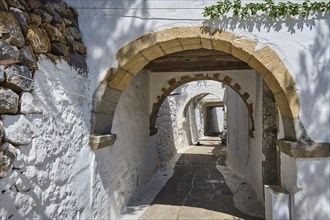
(18, 78)
(191, 43)
(101, 141)
(243, 48)
(38, 39)
(267, 57)
(10, 26)
(8, 101)
(106, 100)
(121, 80)
(135, 64)
(54, 34)
(59, 49)
(22, 17)
(73, 32)
(35, 19)
(33, 4)
(28, 58)
(29, 105)
(171, 46)
(7, 158)
(206, 43)
(45, 17)
(8, 52)
(153, 52)
(17, 129)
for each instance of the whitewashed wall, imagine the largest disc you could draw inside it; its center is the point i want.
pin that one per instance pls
(52, 174)
(245, 153)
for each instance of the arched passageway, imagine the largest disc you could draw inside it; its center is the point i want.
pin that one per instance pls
(136, 55)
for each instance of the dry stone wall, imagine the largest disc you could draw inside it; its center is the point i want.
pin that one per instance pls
(30, 29)
(38, 34)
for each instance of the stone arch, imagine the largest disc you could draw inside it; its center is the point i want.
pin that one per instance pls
(138, 53)
(174, 84)
(186, 107)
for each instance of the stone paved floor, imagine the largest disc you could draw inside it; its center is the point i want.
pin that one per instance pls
(197, 190)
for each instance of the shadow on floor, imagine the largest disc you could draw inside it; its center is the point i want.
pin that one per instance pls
(196, 183)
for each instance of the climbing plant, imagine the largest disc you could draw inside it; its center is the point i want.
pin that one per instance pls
(267, 7)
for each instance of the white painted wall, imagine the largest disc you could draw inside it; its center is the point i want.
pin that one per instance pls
(244, 154)
(109, 25)
(131, 161)
(53, 174)
(307, 178)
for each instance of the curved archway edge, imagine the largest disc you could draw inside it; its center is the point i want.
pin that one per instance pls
(138, 53)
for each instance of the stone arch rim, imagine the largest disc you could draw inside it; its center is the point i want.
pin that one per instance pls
(135, 55)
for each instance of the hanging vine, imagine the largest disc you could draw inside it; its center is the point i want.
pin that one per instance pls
(267, 7)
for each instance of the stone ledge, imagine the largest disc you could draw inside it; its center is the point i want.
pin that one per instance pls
(304, 149)
(101, 141)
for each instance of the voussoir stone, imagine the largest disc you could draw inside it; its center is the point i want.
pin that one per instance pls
(18, 78)
(7, 158)
(38, 39)
(8, 101)
(8, 51)
(9, 24)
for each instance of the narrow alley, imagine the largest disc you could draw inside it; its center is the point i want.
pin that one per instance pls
(203, 187)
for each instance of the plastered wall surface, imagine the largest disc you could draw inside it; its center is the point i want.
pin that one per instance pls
(307, 178)
(302, 46)
(245, 153)
(51, 173)
(131, 161)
